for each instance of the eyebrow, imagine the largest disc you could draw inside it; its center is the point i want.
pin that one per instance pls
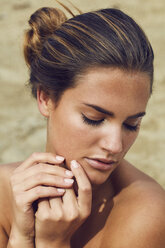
(109, 113)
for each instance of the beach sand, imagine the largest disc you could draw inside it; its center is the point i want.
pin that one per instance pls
(22, 128)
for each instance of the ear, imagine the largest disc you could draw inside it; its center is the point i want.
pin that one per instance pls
(44, 102)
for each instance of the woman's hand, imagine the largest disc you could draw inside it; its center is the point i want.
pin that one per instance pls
(57, 218)
(40, 176)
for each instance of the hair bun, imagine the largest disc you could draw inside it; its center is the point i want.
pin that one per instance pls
(43, 23)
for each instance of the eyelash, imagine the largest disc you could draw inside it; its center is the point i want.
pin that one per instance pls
(99, 122)
(92, 122)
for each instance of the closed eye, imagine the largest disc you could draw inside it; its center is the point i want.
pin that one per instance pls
(131, 127)
(96, 123)
(92, 122)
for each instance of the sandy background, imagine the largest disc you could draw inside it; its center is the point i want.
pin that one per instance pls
(22, 129)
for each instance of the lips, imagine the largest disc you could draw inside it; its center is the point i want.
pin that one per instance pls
(100, 164)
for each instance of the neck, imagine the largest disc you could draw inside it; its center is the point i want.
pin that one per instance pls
(102, 194)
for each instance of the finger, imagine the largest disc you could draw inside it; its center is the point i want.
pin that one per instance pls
(49, 169)
(42, 168)
(84, 187)
(70, 204)
(41, 192)
(69, 197)
(55, 203)
(57, 213)
(36, 158)
(43, 204)
(42, 179)
(43, 207)
(25, 200)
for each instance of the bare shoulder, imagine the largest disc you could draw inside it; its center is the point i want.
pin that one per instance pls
(5, 191)
(6, 171)
(129, 180)
(138, 215)
(5, 201)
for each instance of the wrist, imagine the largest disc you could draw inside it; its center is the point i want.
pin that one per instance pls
(16, 240)
(56, 244)
(19, 243)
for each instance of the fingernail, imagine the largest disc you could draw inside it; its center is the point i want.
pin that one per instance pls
(59, 158)
(69, 173)
(74, 164)
(61, 190)
(68, 180)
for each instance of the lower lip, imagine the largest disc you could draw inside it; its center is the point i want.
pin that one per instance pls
(99, 165)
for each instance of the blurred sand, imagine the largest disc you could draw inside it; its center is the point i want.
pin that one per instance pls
(22, 129)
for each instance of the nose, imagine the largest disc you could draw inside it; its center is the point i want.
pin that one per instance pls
(112, 140)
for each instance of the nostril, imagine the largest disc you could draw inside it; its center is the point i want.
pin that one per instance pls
(113, 147)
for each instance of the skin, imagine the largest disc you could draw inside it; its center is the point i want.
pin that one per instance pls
(112, 90)
(97, 206)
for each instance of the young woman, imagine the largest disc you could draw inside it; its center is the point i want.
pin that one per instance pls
(92, 76)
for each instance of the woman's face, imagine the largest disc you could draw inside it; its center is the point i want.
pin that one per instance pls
(97, 122)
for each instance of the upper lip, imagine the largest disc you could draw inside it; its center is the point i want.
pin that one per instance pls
(104, 160)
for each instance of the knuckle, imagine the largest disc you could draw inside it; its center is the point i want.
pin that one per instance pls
(14, 189)
(85, 215)
(86, 189)
(19, 201)
(39, 177)
(59, 216)
(73, 216)
(43, 216)
(35, 155)
(71, 213)
(12, 180)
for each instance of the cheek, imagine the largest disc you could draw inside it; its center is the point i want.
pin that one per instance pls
(71, 138)
(129, 141)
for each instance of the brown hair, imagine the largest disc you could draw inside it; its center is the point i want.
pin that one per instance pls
(58, 49)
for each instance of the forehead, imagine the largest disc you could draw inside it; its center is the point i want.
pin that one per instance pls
(115, 80)
(112, 88)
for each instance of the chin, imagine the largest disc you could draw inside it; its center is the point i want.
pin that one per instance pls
(96, 177)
